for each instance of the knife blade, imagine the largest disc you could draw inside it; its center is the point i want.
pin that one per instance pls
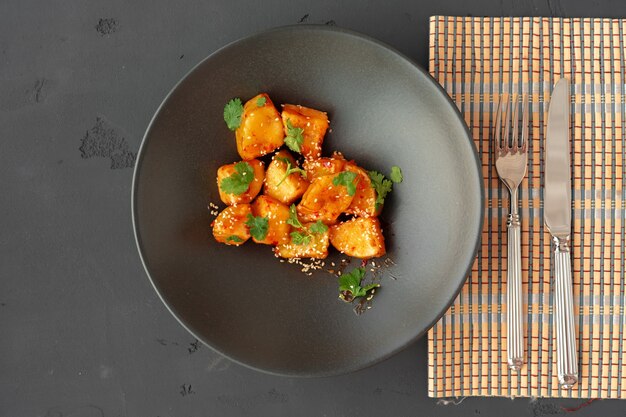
(558, 219)
(558, 197)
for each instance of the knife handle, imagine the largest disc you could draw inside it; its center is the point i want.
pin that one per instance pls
(566, 353)
(515, 324)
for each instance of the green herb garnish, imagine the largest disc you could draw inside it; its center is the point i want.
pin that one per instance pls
(294, 137)
(238, 182)
(293, 218)
(260, 102)
(318, 227)
(290, 170)
(346, 178)
(382, 186)
(300, 238)
(396, 174)
(234, 239)
(258, 226)
(232, 113)
(303, 235)
(350, 286)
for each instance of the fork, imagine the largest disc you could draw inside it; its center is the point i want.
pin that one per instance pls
(511, 162)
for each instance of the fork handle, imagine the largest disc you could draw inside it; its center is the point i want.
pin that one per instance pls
(567, 357)
(515, 326)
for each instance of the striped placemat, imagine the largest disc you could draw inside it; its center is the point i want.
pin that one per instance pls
(476, 59)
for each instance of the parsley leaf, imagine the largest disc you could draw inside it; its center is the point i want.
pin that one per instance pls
(300, 238)
(260, 102)
(382, 186)
(238, 182)
(293, 218)
(234, 238)
(346, 178)
(294, 137)
(232, 113)
(303, 235)
(290, 170)
(369, 287)
(318, 227)
(258, 226)
(350, 286)
(396, 174)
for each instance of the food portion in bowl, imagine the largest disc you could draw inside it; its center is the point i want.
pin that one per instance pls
(326, 189)
(303, 202)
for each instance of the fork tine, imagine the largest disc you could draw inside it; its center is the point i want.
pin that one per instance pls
(507, 126)
(525, 116)
(497, 131)
(515, 121)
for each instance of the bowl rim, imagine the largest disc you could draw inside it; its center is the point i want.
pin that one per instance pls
(459, 119)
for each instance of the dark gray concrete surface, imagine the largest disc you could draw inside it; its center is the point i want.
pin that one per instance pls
(82, 333)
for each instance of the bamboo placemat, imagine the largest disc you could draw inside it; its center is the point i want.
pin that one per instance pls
(476, 59)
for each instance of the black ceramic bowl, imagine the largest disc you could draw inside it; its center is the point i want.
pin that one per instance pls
(384, 111)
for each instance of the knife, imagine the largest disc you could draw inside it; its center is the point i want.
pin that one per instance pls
(558, 218)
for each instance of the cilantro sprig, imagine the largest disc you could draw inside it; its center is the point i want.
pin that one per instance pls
(318, 227)
(346, 178)
(232, 113)
(396, 174)
(258, 226)
(260, 102)
(294, 137)
(382, 185)
(290, 170)
(350, 286)
(293, 218)
(234, 239)
(239, 181)
(300, 238)
(303, 236)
